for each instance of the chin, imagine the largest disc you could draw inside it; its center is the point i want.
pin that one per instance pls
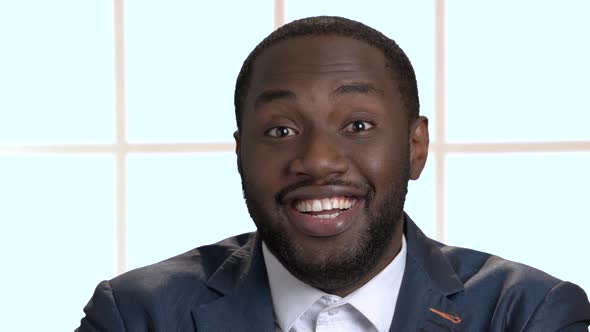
(329, 263)
(340, 260)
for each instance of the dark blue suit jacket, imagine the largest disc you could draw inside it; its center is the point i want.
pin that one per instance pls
(224, 287)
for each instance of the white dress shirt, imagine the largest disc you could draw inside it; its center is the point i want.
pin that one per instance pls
(299, 307)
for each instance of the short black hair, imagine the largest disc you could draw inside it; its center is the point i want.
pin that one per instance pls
(400, 66)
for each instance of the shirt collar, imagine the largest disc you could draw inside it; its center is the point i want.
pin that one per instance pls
(370, 299)
(292, 297)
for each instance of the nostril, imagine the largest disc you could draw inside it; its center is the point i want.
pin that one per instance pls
(318, 157)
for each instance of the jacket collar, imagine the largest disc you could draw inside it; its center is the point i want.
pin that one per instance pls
(245, 302)
(429, 287)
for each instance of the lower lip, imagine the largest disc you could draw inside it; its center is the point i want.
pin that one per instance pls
(323, 227)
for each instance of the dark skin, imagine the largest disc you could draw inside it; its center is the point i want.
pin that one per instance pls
(324, 118)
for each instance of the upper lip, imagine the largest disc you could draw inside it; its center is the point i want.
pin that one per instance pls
(321, 191)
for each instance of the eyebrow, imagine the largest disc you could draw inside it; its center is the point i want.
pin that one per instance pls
(271, 95)
(356, 88)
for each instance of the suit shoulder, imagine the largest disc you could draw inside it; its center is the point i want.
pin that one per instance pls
(474, 267)
(160, 297)
(170, 279)
(515, 295)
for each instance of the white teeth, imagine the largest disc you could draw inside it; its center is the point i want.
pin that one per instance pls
(325, 204)
(327, 216)
(317, 205)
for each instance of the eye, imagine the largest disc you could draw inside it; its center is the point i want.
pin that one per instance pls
(356, 126)
(280, 131)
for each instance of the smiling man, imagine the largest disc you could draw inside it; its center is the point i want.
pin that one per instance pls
(329, 134)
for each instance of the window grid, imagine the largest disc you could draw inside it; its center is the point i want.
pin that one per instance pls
(439, 120)
(120, 140)
(121, 148)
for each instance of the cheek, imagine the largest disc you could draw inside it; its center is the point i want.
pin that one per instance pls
(381, 164)
(263, 171)
(377, 167)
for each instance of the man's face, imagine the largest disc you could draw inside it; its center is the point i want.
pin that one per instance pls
(325, 152)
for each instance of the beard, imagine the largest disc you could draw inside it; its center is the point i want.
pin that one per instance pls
(343, 266)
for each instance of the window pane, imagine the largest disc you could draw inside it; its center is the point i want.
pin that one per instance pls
(531, 208)
(409, 23)
(177, 202)
(182, 61)
(57, 231)
(56, 72)
(420, 200)
(525, 79)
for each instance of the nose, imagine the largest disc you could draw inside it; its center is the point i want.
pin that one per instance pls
(319, 157)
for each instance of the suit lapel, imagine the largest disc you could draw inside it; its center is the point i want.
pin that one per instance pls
(429, 285)
(245, 303)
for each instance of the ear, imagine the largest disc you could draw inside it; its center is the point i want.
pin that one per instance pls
(238, 157)
(419, 141)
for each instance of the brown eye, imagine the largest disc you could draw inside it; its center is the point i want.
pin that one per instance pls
(357, 126)
(280, 132)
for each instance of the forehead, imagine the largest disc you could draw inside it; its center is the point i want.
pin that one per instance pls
(309, 60)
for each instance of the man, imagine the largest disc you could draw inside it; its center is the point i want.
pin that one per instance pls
(329, 133)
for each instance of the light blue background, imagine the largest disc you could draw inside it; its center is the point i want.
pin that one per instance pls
(530, 208)
(518, 70)
(57, 237)
(56, 72)
(179, 201)
(182, 60)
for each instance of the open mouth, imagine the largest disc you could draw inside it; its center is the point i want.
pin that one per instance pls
(324, 217)
(325, 208)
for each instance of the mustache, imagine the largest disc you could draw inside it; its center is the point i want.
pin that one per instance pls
(310, 182)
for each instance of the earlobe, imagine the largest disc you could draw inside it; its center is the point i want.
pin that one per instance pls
(419, 141)
(238, 157)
